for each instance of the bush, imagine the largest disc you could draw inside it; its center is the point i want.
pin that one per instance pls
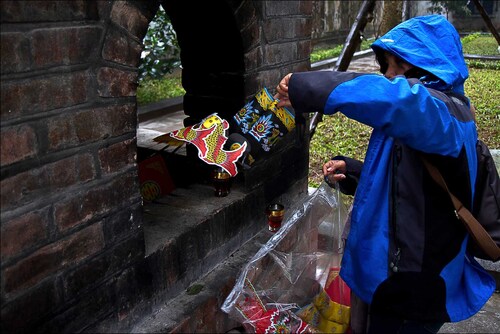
(161, 53)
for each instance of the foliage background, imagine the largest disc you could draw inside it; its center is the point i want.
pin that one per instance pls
(161, 54)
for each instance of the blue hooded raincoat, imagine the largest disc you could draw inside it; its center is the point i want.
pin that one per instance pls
(406, 253)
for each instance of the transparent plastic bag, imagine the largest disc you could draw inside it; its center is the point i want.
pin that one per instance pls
(292, 283)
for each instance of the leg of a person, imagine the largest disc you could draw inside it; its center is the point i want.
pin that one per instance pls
(384, 325)
(414, 327)
(381, 325)
(359, 315)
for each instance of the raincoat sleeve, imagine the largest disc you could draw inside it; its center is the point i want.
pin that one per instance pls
(396, 107)
(353, 172)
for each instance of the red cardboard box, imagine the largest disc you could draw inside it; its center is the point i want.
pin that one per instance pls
(154, 178)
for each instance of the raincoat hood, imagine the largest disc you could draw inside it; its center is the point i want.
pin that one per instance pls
(432, 44)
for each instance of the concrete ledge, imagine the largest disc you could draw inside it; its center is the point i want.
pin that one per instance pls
(159, 108)
(197, 309)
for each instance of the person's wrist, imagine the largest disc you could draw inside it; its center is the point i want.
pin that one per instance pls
(327, 180)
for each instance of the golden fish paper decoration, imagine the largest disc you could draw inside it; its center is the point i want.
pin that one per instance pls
(209, 137)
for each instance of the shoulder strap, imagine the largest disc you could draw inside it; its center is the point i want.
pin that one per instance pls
(482, 238)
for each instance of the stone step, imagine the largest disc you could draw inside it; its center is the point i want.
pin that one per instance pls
(197, 309)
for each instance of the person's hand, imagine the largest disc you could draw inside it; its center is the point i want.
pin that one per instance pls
(282, 90)
(334, 171)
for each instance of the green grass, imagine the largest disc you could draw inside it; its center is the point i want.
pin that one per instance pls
(480, 44)
(150, 91)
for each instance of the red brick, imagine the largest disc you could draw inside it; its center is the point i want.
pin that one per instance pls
(122, 119)
(46, 180)
(53, 258)
(80, 209)
(105, 265)
(254, 60)
(23, 232)
(251, 35)
(121, 49)
(17, 143)
(118, 156)
(96, 201)
(124, 223)
(92, 125)
(115, 83)
(34, 95)
(87, 309)
(63, 46)
(61, 173)
(85, 167)
(16, 190)
(21, 314)
(9, 192)
(15, 57)
(67, 214)
(281, 53)
(130, 18)
(69, 171)
(73, 129)
(115, 120)
(61, 132)
(42, 11)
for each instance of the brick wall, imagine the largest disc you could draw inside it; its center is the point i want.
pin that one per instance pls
(70, 219)
(72, 245)
(277, 40)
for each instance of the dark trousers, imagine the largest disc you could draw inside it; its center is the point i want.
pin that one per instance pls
(387, 325)
(364, 322)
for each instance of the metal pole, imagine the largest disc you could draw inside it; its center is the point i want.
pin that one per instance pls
(354, 38)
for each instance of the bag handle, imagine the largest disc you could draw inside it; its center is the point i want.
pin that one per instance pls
(476, 230)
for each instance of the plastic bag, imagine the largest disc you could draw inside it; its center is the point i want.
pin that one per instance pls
(291, 285)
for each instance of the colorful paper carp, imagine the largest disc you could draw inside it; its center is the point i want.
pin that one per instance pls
(260, 122)
(209, 137)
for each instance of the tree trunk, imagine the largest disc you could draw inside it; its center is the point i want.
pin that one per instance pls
(391, 15)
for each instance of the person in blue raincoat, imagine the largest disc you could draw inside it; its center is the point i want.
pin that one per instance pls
(406, 254)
